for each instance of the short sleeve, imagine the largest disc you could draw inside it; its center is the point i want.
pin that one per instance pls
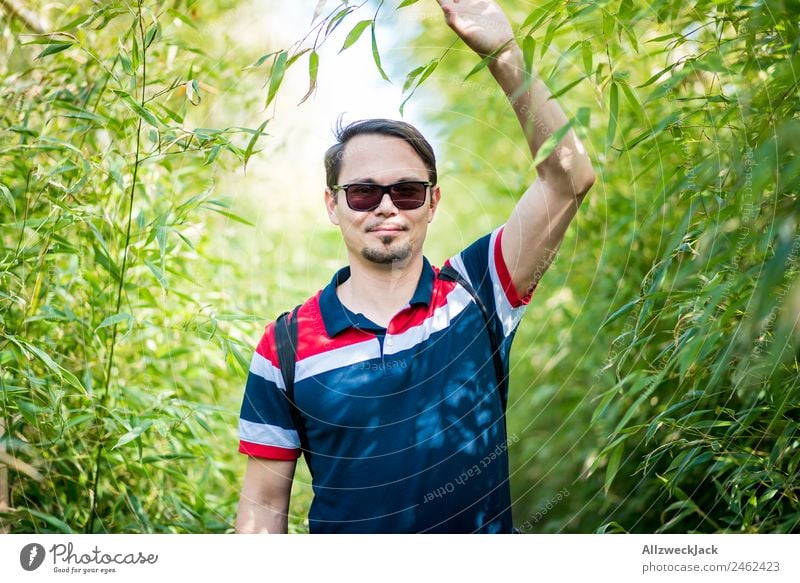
(483, 265)
(266, 429)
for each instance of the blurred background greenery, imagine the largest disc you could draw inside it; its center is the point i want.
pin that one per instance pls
(156, 215)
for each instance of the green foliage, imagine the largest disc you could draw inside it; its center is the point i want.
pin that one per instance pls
(654, 379)
(656, 374)
(118, 402)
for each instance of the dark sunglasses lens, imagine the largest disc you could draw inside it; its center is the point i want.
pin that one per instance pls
(405, 195)
(408, 195)
(363, 197)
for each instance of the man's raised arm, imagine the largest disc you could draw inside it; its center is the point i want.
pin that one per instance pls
(536, 228)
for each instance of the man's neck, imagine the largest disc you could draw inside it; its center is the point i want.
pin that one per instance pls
(380, 291)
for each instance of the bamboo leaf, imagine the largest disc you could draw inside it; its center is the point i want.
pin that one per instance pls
(9, 197)
(276, 76)
(105, 261)
(318, 10)
(485, 61)
(550, 144)
(663, 37)
(45, 358)
(133, 434)
(632, 100)
(337, 19)
(296, 57)
(611, 527)
(151, 34)
(212, 154)
(656, 76)
(161, 236)
(586, 54)
(56, 523)
(613, 110)
(86, 116)
(248, 152)
(567, 87)
(193, 92)
(376, 55)
(620, 312)
(182, 17)
(158, 272)
(423, 72)
(604, 403)
(135, 56)
(539, 15)
(583, 117)
(412, 76)
(528, 54)
(260, 61)
(613, 466)
(313, 69)
(115, 319)
(139, 110)
(232, 216)
(53, 48)
(548, 35)
(125, 60)
(355, 33)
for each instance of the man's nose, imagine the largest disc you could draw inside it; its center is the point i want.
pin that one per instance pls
(386, 206)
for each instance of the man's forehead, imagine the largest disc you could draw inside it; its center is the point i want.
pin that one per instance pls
(366, 144)
(377, 153)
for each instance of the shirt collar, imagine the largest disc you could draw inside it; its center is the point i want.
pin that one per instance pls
(338, 318)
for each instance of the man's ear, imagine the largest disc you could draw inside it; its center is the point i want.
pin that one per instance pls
(330, 205)
(436, 196)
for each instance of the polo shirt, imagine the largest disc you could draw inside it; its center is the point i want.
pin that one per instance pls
(405, 424)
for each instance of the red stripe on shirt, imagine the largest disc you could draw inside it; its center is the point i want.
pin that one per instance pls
(505, 277)
(416, 315)
(268, 451)
(312, 338)
(266, 345)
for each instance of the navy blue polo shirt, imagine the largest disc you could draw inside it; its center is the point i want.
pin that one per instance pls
(405, 424)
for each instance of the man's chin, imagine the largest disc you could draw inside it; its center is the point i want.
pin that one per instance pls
(387, 254)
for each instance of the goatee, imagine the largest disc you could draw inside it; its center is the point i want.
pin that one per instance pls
(386, 255)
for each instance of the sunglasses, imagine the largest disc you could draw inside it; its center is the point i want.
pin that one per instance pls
(406, 196)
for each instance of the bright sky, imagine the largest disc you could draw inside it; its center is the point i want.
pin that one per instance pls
(347, 83)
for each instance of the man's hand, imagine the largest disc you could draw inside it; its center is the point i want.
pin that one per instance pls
(480, 24)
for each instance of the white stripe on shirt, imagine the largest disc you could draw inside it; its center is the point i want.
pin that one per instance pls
(265, 434)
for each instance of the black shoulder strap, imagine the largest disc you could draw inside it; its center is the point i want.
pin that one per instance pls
(286, 345)
(448, 273)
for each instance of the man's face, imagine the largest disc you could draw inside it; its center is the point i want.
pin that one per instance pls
(385, 235)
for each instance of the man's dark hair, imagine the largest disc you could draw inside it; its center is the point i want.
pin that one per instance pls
(383, 127)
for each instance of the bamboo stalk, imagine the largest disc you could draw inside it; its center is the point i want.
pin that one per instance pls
(28, 18)
(4, 494)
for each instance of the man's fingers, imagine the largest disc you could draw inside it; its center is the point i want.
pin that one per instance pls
(449, 11)
(447, 8)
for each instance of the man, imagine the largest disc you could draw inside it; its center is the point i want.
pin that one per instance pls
(403, 414)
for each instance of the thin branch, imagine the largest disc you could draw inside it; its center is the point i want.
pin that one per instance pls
(109, 365)
(4, 490)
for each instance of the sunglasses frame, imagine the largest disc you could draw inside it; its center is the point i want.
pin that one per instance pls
(385, 189)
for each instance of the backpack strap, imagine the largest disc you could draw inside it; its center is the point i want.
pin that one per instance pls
(448, 273)
(286, 345)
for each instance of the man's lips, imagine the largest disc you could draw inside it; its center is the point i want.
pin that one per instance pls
(386, 229)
